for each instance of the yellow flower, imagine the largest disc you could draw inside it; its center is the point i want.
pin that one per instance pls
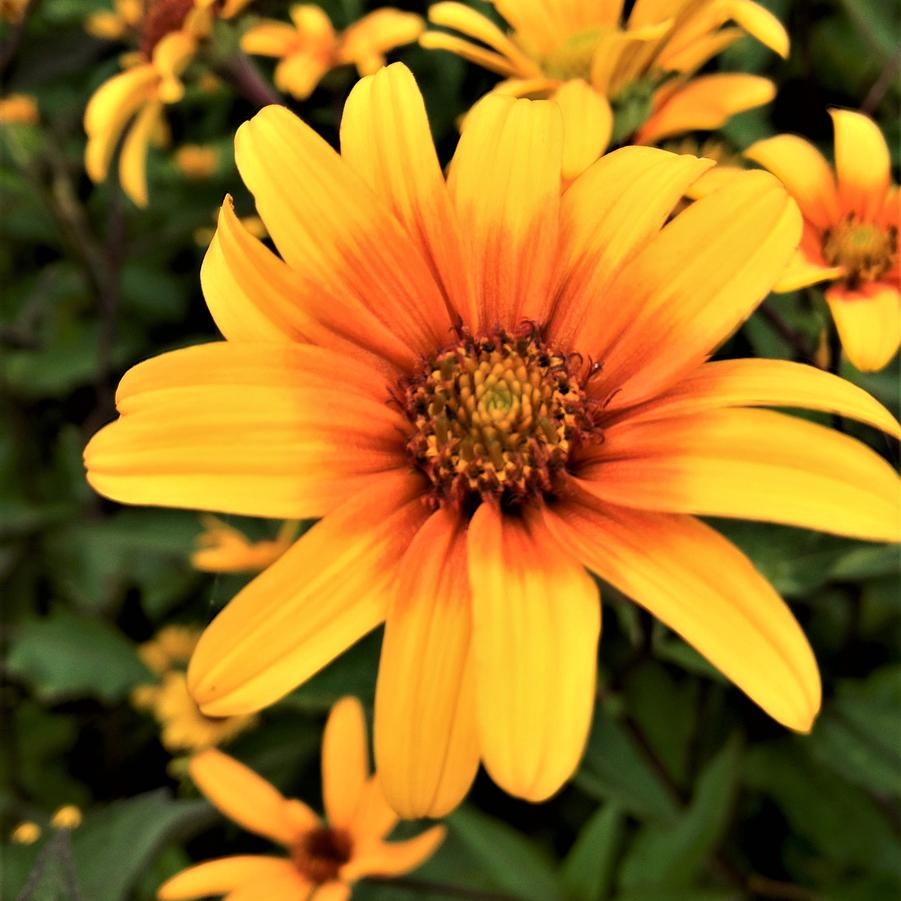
(120, 22)
(26, 833)
(486, 387)
(196, 160)
(851, 229)
(19, 108)
(310, 47)
(67, 817)
(324, 858)
(223, 549)
(584, 56)
(184, 727)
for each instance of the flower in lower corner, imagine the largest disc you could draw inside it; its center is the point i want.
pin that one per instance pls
(325, 857)
(183, 727)
(224, 549)
(851, 232)
(309, 47)
(486, 388)
(616, 77)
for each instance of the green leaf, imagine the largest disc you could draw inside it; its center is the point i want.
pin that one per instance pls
(113, 848)
(513, 863)
(68, 656)
(673, 855)
(615, 768)
(589, 867)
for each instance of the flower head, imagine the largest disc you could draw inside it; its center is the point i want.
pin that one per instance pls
(325, 857)
(851, 231)
(183, 726)
(587, 57)
(310, 47)
(222, 548)
(486, 388)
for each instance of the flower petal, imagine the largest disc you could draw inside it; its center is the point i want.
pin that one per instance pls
(862, 163)
(804, 172)
(324, 594)
(216, 877)
(767, 383)
(505, 184)
(690, 287)
(332, 229)
(606, 216)
(284, 431)
(385, 137)
(587, 125)
(246, 798)
(704, 588)
(345, 761)
(426, 746)
(394, 858)
(536, 623)
(707, 103)
(751, 464)
(868, 323)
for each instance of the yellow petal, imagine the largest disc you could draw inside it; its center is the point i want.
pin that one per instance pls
(269, 38)
(606, 216)
(769, 383)
(425, 733)
(262, 430)
(587, 124)
(345, 761)
(394, 858)
(505, 183)
(690, 287)
(751, 464)
(334, 230)
(313, 603)
(536, 623)
(704, 588)
(246, 798)
(133, 159)
(862, 163)
(385, 137)
(804, 172)
(109, 110)
(705, 103)
(868, 323)
(217, 877)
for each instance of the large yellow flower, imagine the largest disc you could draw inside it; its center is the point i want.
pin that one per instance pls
(325, 858)
(582, 54)
(484, 387)
(851, 232)
(309, 47)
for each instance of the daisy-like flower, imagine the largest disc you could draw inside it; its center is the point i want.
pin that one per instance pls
(851, 232)
(182, 725)
(224, 549)
(310, 47)
(325, 857)
(133, 100)
(487, 388)
(585, 56)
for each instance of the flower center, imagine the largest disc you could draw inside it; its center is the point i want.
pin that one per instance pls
(497, 417)
(867, 251)
(161, 18)
(321, 853)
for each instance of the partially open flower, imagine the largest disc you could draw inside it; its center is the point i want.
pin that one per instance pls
(324, 857)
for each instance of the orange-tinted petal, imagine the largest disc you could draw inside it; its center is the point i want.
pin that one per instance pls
(426, 745)
(246, 798)
(324, 594)
(385, 137)
(265, 430)
(345, 761)
(752, 464)
(334, 230)
(536, 622)
(868, 323)
(704, 588)
(505, 184)
(862, 163)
